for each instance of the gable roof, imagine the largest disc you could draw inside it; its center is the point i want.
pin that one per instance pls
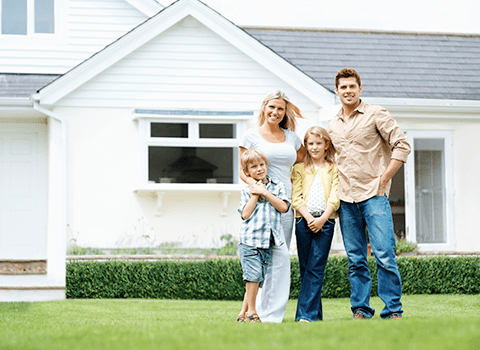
(162, 21)
(391, 64)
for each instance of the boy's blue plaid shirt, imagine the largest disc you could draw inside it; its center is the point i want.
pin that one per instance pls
(265, 219)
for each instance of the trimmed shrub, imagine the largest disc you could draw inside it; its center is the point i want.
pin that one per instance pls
(221, 279)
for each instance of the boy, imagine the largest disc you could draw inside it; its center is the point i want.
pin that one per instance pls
(261, 206)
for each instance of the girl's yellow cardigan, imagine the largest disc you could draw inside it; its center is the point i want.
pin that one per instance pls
(302, 181)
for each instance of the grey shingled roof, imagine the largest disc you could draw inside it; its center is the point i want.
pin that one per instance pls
(23, 85)
(398, 65)
(401, 65)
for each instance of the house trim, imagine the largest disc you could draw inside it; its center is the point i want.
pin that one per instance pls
(452, 109)
(165, 19)
(147, 7)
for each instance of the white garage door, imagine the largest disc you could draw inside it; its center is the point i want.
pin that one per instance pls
(23, 190)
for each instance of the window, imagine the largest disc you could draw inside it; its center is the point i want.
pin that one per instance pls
(201, 149)
(26, 17)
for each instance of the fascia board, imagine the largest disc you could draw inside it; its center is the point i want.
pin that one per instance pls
(147, 7)
(263, 55)
(16, 102)
(435, 108)
(112, 54)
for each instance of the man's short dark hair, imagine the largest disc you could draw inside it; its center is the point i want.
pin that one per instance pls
(347, 73)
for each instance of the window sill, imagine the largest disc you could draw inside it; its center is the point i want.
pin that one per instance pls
(160, 189)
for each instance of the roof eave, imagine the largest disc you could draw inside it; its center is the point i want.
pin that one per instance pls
(16, 102)
(435, 108)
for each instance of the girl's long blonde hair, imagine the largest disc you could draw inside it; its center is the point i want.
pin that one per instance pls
(329, 152)
(291, 113)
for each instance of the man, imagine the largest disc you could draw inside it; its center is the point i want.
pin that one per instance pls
(370, 149)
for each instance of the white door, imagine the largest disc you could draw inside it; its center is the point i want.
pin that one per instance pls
(430, 190)
(23, 190)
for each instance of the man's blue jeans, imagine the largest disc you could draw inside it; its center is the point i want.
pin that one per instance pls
(313, 249)
(374, 213)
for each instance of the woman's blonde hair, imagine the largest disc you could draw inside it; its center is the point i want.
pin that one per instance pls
(291, 110)
(323, 134)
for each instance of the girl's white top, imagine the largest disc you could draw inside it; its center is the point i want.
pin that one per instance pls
(281, 156)
(316, 198)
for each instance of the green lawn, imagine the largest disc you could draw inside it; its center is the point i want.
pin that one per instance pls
(430, 322)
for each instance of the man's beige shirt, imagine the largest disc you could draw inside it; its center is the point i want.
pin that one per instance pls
(365, 143)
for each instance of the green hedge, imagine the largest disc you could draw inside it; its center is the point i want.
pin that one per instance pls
(221, 279)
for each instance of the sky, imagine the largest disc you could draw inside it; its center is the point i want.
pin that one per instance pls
(440, 16)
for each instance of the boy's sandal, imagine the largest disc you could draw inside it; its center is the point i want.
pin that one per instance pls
(253, 318)
(241, 318)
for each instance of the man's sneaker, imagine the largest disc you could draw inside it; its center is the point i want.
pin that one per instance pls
(359, 316)
(395, 317)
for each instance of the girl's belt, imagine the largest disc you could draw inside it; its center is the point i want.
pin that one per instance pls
(317, 214)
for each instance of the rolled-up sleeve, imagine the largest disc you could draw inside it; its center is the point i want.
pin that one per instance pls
(392, 134)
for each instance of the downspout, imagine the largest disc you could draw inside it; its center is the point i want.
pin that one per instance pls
(63, 142)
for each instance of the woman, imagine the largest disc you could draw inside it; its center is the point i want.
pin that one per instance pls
(276, 137)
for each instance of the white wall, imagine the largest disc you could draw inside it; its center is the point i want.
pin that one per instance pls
(104, 172)
(466, 189)
(85, 27)
(186, 67)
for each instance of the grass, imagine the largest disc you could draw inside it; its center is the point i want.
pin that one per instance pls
(430, 322)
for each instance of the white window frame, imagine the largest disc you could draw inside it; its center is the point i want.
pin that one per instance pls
(60, 26)
(193, 120)
(410, 205)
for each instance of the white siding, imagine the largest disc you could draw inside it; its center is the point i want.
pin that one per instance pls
(465, 170)
(187, 66)
(90, 26)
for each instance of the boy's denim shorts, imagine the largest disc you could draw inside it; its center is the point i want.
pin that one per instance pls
(254, 262)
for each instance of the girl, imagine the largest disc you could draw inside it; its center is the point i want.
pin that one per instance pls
(315, 199)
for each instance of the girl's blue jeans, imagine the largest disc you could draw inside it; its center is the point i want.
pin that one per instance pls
(313, 249)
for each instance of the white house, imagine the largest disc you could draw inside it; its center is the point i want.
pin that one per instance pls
(131, 138)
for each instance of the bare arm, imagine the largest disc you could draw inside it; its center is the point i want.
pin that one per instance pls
(303, 211)
(249, 207)
(392, 168)
(300, 154)
(316, 224)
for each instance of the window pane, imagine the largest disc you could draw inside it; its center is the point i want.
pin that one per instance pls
(430, 190)
(191, 164)
(217, 131)
(14, 17)
(169, 130)
(44, 16)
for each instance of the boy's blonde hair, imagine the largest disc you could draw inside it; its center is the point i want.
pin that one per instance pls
(291, 110)
(251, 155)
(323, 134)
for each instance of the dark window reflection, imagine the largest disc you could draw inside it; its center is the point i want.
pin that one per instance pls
(217, 131)
(191, 164)
(169, 130)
